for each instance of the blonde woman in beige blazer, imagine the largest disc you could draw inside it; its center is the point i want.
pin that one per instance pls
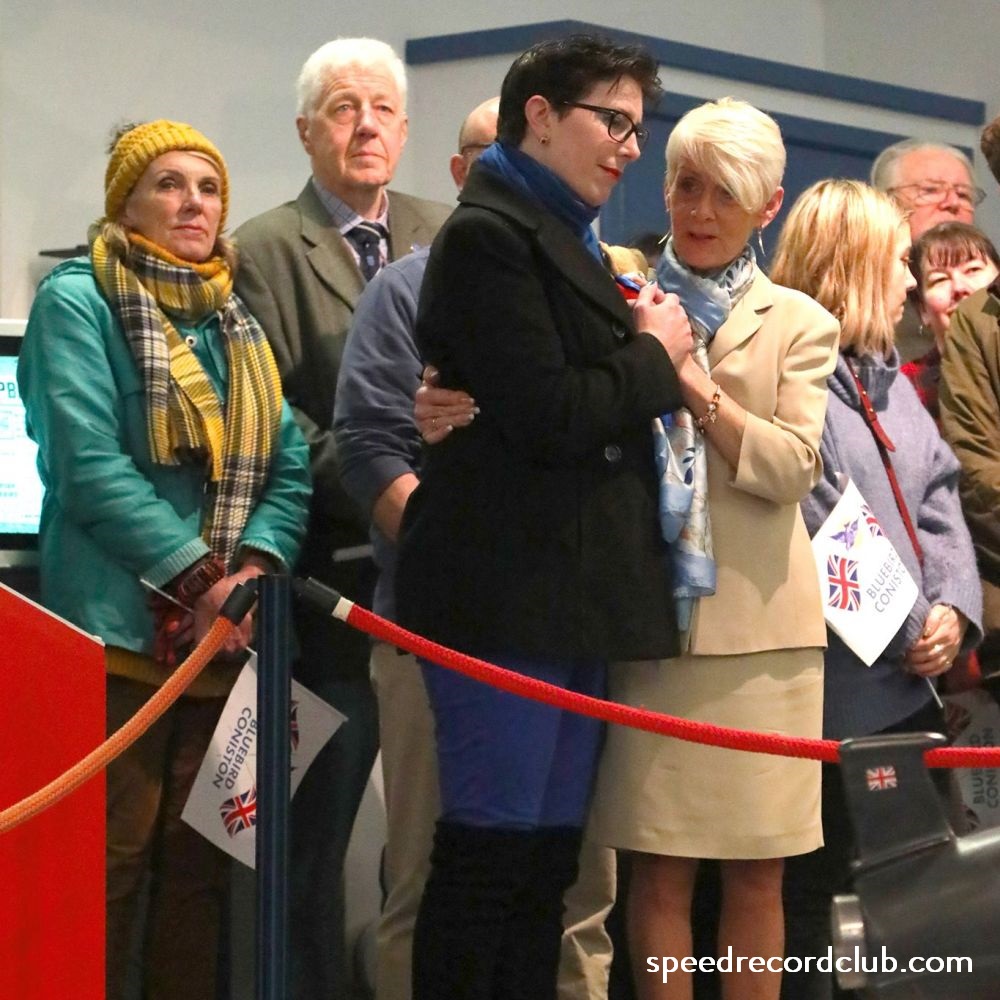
(744, 574)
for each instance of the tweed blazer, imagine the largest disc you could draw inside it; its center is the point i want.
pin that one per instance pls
(772, 356)
(534, 531)
(970, 420)
(298, 277)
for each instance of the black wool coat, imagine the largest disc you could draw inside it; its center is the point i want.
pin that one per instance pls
(534, 531)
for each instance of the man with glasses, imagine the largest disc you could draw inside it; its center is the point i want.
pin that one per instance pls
(934, 183)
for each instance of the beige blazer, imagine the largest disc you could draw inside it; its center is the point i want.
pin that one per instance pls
(772, 356)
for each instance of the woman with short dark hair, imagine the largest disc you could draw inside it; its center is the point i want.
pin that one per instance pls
(532, 539)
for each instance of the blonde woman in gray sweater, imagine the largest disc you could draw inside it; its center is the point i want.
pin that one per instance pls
(847, 245)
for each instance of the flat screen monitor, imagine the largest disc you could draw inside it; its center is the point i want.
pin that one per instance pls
(20, 487)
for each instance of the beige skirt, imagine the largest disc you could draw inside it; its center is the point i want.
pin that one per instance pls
(666, 796)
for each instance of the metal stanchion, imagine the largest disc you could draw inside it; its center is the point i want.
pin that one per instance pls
(273, 769)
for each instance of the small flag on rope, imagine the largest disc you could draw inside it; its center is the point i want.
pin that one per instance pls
(880, 778)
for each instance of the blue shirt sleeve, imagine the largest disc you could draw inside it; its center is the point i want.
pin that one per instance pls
(377, 436)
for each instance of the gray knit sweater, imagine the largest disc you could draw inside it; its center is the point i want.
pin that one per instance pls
(860, 700)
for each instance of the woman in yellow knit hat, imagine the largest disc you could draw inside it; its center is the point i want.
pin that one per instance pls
(170, 463)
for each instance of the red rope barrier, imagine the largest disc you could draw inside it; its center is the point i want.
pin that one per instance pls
(99, 758)
(639, 718)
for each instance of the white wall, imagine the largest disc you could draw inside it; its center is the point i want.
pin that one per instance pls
(72, 69)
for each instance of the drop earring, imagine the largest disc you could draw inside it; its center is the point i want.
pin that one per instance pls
(760, 241)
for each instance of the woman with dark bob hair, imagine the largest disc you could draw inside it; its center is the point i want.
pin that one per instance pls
(950, 261)
(532, 540)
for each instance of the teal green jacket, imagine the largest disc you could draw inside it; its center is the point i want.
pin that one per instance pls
(110, 516)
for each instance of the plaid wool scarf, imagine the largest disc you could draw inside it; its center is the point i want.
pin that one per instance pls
(187, 422)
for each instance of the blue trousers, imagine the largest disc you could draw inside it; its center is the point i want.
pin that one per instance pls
(511, 763)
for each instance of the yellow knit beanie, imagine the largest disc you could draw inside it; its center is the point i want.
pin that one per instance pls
(138, 147)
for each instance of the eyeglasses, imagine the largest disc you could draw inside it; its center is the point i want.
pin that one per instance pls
(620, 126)
(473, 147)
(935, 192)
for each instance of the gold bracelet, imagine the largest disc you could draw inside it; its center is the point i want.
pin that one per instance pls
(712, 413)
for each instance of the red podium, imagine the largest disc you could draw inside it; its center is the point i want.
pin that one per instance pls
(52, 866)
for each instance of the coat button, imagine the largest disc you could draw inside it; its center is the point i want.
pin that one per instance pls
(619, 330)
(612, 453)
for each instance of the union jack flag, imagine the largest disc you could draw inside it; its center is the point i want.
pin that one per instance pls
(240, 812)
(880, 778)
(872, 521)
(842, 577)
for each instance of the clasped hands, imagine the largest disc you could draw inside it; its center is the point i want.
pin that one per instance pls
(179, 625)
(935, 651)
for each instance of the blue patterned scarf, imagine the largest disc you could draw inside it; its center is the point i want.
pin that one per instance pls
(539, 184)
(681, 459)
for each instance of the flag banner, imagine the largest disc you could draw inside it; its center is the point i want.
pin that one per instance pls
(974, 721)
(880, 778)
(222, 805)
(867, 591)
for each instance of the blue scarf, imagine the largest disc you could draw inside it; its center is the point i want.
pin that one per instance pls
(679, 447)
(539, 184)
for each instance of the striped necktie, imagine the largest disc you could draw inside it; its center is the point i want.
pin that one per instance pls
(366, 238)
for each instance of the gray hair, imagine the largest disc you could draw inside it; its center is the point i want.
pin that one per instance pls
(341, 53)
(883, 175)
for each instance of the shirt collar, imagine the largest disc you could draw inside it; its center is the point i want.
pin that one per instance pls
(342, 215)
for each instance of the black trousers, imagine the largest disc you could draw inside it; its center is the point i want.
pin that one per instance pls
(490, 922)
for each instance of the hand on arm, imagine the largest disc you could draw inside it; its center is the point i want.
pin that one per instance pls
(439, 411)
(174, 628)
(507, 347)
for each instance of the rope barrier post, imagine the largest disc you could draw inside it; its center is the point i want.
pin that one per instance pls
(273, 770)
